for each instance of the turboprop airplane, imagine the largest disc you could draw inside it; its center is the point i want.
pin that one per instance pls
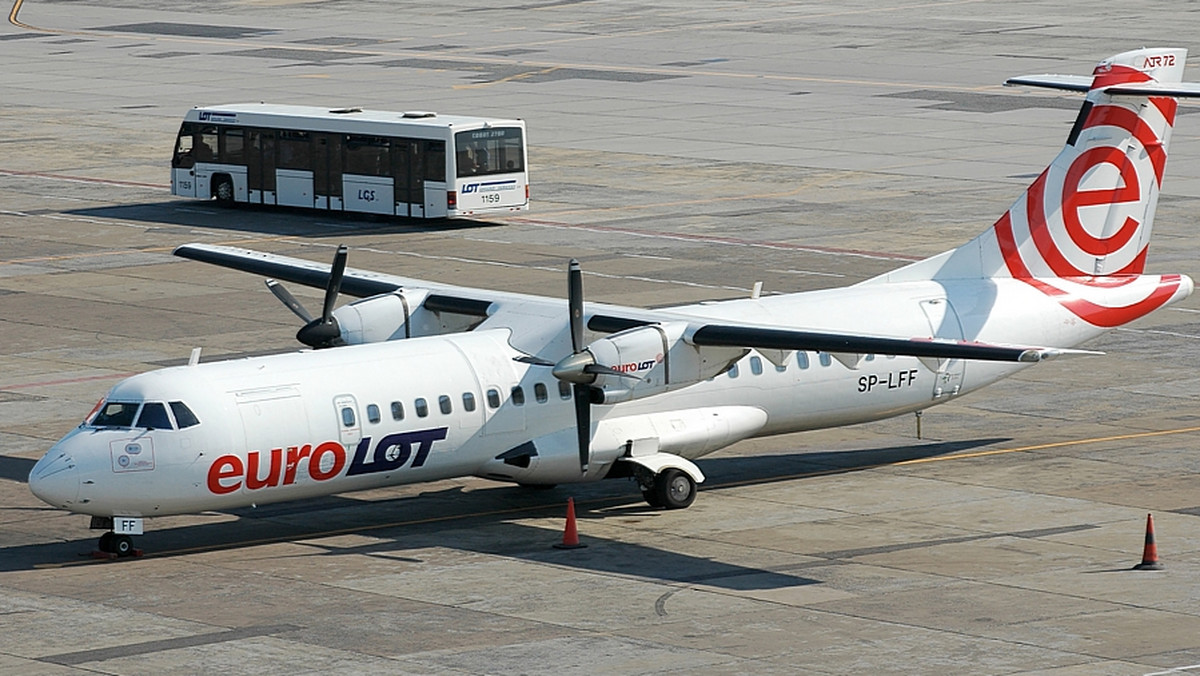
(425, 381)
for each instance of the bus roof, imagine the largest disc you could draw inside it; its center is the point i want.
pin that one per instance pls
(318, 118)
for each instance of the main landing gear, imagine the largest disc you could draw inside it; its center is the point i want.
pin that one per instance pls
(669, 489)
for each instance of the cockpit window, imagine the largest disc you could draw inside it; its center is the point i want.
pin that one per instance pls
(116, 414)
(183, 415)
(153, 417)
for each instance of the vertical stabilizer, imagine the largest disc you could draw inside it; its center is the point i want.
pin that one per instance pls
(1085, 222)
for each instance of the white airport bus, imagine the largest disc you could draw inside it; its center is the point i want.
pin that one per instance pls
(415, 164)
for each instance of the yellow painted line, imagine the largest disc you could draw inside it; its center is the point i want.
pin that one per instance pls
(964, 456)
(151, 249)
(1054, 444)
(619, 499)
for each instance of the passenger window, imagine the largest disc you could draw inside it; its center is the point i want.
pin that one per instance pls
(802, 359)
(539, 393)
(781, 367)
(564, 389)
(468, 402)
(183, 415)
(444, 404)
(348, 418)
(870, 357)
(397, 411)
(422, 407)
(493, 397)
(824, 358)
(518, 396)
(116, 414)
(733, 372)
(756, 366)
(154, 417)
(372, 413)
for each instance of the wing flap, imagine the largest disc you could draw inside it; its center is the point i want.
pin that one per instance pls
(716, 335)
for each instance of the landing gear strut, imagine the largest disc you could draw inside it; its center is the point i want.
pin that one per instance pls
(670, 489)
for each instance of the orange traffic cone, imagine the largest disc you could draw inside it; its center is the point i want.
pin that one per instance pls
(1150, 551)
(570, 534)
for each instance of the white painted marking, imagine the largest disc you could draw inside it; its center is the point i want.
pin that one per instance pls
(811, 273)
(1160, 333)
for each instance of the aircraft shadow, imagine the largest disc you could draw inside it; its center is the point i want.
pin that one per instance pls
(270, 220)
(483, 520)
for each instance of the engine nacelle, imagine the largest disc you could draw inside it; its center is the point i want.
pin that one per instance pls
(403, 313)
(654, 359)
(651, 440)
(378, 318)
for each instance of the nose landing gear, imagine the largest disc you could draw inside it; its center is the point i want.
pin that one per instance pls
(117, 545)
(113, 545)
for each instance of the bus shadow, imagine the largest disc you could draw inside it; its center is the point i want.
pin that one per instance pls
(487, 519)
(270, 220)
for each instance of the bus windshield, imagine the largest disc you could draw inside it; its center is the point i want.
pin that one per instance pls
(489, 151)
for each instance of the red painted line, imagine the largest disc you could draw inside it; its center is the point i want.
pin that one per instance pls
(723, 240)
(68, 381)
(84, 179)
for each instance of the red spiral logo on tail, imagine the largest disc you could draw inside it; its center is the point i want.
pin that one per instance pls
(1083, 226)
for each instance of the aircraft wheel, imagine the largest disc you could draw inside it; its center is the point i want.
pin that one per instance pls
(650, 495)
(123, 545)
(223, 191)
(674, 489)
(106, 543)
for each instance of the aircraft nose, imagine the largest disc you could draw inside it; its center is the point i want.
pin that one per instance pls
(54, 479)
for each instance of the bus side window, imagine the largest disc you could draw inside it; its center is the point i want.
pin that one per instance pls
(232, 146)
(204, 144)
(434, 161)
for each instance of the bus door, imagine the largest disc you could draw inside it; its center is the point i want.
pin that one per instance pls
(406, 170)
(367, 184)
(294, 169)
(433, 172)
(260, 166)
(327, 171)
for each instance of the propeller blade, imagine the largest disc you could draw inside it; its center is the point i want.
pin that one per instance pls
(534, 360)
(575, 303)
(289, 300)
(583, 424)
(600, 370)
(335, 282)
(323, 331)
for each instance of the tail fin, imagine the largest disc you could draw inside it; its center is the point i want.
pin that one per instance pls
(1086, 220)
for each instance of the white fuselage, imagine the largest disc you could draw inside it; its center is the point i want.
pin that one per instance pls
(313, 423)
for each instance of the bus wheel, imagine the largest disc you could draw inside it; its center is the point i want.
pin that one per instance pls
(223, 191)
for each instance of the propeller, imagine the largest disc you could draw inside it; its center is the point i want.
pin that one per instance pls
(323, 331)
(580, 367)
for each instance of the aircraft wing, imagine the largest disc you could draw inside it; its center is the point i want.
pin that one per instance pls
(603, 318)
(702, 332)
(357, 283)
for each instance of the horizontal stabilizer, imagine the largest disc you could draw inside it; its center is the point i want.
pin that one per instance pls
(1071, 83)
(1083, 83)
